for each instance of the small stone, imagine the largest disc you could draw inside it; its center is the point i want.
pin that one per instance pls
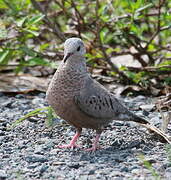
(2, 133)
(49, 144)
(42, 168)
(39, 150)
(32, 166)
(42, 140)
(1, 94)
(42, 95)
(145, 113)
(168, 173)
(155, 120)
(83, 177)
(119, 159)
(6, 103)
(91, 172)
(151, 161)
(124, 169)
(54, 151)
(147, 107)
(36, 158)
(135, 143)
(74, 165)
(3, 174)
(58, 163)
(115, 173)
(135, 171)
(20, 96)
(22, 144)
(116, 143)
(56, 121)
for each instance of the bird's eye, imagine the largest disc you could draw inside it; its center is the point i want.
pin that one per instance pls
(78, 48)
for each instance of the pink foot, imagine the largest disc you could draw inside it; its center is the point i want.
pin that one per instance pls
(72, 144)
(92, 149)
(95, 144)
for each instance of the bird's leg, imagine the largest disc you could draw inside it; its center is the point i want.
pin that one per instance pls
(95, 145)
(72, 143)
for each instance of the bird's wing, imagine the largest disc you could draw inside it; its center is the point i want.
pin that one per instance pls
(96, 101)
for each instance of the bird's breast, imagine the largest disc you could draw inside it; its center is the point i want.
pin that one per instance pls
(65, 84)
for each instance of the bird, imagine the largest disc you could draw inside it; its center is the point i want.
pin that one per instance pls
(82, 101)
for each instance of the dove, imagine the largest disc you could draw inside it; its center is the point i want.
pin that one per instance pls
(82, 101)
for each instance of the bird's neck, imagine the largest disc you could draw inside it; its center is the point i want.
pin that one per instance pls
(76, 64)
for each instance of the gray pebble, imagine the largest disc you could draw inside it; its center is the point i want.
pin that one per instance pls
(29, 152)
(36, 158)
(7, 103)
(2, 133)
(3, 174)
(33, 165)
(74, 165)
(124, 169)
(20, 96)
(1, 94)
(42, 168)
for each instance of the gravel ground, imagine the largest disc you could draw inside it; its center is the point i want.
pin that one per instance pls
(29, 151)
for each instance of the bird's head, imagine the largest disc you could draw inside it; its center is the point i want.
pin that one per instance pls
(73, 47)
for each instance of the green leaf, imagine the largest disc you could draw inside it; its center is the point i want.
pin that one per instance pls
(5, 56)
(144, 8)
(11, 5)
(37, 61)
(3, 32)
(102, 36)
(149, 166)
(35, 19)
(35, 33)
(30, 114)
(3, 5)
(21, 21)
(28, 51)
(49, 121)
(44, 46)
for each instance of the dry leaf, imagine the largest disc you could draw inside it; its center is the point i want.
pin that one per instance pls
(22, 83)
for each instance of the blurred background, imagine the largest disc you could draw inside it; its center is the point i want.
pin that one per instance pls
(128, 43)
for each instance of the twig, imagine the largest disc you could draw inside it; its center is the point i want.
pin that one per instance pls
(113, 66)
(158, 19)
(115, 19)
(77, 11)
(137, 45)
(54, 27)
(159, 29)
(151, 69)
(79, 17)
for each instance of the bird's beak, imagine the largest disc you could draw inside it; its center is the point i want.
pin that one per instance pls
(67, 56)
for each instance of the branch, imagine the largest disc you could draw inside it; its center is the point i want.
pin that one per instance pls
(54, 27)
(151, 69)
(101, 47)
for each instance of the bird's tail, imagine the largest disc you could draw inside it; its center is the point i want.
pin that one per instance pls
(139, 119)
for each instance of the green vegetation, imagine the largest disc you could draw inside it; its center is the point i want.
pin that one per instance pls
(47, 111)
(149, 166)
(31, 33)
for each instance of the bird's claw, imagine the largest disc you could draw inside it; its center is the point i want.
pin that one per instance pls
(68, 146)
(92, 149)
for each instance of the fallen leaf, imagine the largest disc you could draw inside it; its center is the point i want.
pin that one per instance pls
(132, 89)
(22, 83)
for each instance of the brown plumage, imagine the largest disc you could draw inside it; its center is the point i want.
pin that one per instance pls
(82, 101)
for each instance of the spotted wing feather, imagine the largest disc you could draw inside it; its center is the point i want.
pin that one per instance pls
(97, 102)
